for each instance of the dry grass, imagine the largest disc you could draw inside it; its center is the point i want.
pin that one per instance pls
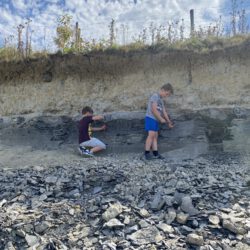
(192, 44)
(9, 54)
(210, 43)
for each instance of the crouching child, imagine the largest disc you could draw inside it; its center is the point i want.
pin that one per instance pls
(89, 145)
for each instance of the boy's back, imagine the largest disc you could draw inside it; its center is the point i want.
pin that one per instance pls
(84, 129)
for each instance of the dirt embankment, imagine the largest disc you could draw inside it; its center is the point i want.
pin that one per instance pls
(115, 81)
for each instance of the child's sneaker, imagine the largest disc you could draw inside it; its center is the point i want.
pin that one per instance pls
(159, 157)
(148, 157)
(81, 149)
(88, 153)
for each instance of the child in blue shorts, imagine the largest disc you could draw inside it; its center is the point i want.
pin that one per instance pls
(156, 113)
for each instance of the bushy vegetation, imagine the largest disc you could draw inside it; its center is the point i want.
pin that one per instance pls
(171, 36)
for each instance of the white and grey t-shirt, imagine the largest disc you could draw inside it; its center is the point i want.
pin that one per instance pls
(160, 105)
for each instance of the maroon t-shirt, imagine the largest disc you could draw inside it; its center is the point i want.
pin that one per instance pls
(84, 128)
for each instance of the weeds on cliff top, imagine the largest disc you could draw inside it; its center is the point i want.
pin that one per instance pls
(171, 35)
(191, 44)
(9, 54)
(210, 43)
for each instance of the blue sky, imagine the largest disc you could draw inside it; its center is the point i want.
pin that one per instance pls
(94, 16)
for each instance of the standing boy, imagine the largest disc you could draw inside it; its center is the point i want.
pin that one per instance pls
(156, 113)
(85, 132)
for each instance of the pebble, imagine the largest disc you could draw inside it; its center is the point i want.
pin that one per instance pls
(182, 218)
(165, 228)
(113, 223)
(195, 239)
(112, 211)
(213, 219)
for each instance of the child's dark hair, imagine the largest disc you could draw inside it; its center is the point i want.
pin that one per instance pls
(87, 109)
(168, 87)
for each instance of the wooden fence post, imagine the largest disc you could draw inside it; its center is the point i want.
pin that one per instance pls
(191, 22)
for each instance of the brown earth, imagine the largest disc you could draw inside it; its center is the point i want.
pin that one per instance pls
(119, 81)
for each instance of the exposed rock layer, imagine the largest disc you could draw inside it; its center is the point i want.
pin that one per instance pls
(124, 81)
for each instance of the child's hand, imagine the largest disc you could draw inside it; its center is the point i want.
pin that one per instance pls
(162, 120)
(104, 127)
(170, 125)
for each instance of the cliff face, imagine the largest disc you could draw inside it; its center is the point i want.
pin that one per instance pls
(48, 188)
(123, 81)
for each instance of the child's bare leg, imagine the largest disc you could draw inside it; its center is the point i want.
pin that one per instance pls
(155, 142)
(149, 140)
(96, 149)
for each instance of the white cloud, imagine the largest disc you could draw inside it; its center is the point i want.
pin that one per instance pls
(19, 5)
(94, 16)
(6, 16)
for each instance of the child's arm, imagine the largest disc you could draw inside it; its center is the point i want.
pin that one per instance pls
(156, 113)
(165, 114)
(97, 117)
(103, 127)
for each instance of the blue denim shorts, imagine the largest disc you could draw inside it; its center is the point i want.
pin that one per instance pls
(151, 124)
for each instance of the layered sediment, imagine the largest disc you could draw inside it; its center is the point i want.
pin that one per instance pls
(116, 81)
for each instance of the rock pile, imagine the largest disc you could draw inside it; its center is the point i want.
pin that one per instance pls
(124, 203)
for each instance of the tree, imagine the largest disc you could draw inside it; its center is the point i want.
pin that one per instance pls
(28, 39)
(112, 32)
(64, 32)
(20, 28)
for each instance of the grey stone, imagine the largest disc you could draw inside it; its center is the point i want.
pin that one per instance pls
(182, 218)
(195, 223)
(144, 213)
(170, 216)
(187, 206)
(242, 246)
(145, 236)
(168, 200)
(132, 229)
(248, 180)
(51, 179)
(97, 190)
(71, 211)
(75, 193)
(9, 246)
(85, 232)
(126, 220)
(157, 202)
(232, 227)
(41, 227)
(187, 229)
(35, 203)
(165, 228)
(2, 202)
(195, 239)
(226, 210)
(43, 197)
(247, 238)
(113, 223)
(143, 224)
(178, 197)
(20, 233)
(31, 240)
(213, 219)
(113, 211)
